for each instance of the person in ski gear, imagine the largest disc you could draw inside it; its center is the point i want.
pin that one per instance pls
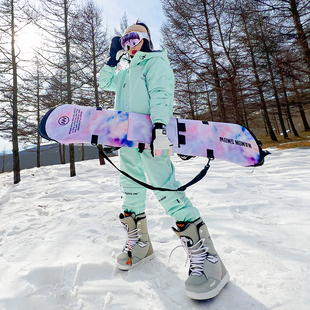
(147, 87)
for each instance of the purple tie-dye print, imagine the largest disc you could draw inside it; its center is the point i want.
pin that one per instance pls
(77, 124)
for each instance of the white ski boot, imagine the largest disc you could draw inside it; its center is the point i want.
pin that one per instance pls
(207, 273)
(138, 247)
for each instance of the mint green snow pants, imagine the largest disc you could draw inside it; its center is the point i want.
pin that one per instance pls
(160, 173)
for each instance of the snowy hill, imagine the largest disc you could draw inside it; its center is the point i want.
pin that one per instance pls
(49, 156)
(59, 237)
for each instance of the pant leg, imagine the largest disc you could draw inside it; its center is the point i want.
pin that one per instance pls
(160, 172)
(133, 194)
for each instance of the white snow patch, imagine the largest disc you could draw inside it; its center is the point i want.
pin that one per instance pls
(59, 238)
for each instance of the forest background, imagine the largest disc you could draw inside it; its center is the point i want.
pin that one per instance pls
(241, 61)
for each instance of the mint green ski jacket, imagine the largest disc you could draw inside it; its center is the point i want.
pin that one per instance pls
(146, 87)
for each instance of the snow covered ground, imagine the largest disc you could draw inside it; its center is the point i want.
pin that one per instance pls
(59, 237)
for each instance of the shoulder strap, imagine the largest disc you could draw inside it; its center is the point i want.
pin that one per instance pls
(196, 179)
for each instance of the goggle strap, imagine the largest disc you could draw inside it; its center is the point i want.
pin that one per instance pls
(144, 35)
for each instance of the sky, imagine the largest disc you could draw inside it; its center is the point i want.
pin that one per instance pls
(148, 11)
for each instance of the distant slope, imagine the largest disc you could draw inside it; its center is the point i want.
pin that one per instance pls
(49, 156)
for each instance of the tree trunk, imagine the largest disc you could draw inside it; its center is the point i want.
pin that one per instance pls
(16, 162)
(303, 117)
(288, 110)
(101, 158)
(38, 151)
(258, 84)
(233, 92)
(302, 38)
(190, 99)
(231, 72)
(301, 108)
(264, 120)
(209, 106)
(3, 156)
(245, 115)
(95, 66)
(38, 120)
(276, 124)
(275, 92)
(69, 91)
(217, 82)
(72, 160)
(62, 153)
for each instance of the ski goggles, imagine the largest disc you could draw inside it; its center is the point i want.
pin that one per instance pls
(132, 39)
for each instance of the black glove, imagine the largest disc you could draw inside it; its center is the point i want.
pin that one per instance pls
(116, 52)
(160, 145)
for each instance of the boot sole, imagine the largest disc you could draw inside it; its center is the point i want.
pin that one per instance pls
(141, 262)
(210, 294)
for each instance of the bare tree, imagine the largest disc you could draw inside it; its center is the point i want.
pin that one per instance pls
(33, 94)
(13, 17)
(92, 41)
(189, 35)
(123, 25)
(297, 10)
(59, 23)
(92, 46)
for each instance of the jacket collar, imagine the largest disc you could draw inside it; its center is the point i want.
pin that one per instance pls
(142, 56)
